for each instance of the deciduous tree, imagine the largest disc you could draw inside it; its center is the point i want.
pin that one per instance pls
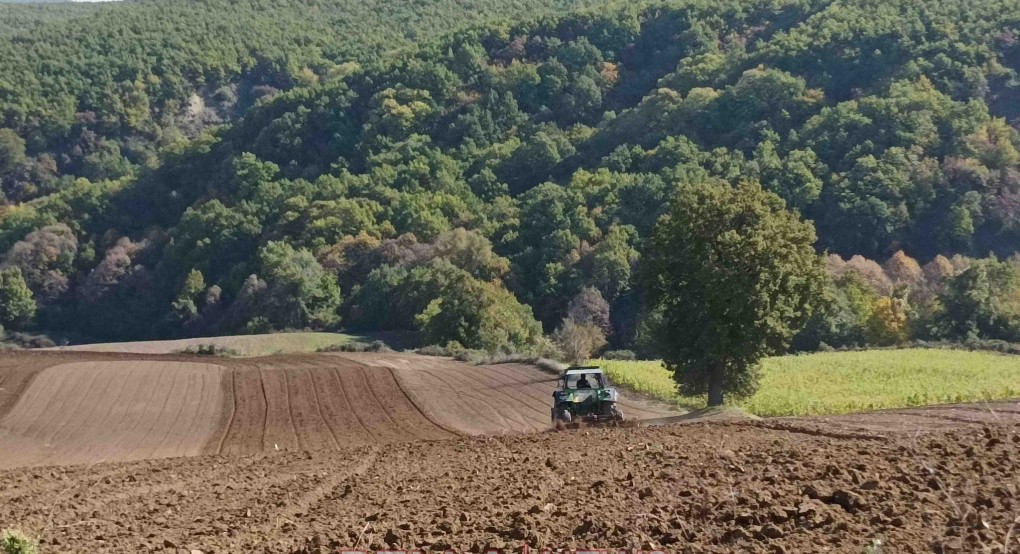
(734, 275)
(16, 304)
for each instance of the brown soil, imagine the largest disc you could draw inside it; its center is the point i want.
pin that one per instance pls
(112, 410)
(943, 417)
(16, 372)
(484, 400)
(707, 487)
(314, 453)
(119, 407)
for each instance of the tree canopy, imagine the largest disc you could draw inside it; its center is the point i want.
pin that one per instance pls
(524, 160)
(733, 275)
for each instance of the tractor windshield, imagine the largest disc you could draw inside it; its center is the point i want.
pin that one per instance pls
(585, 381)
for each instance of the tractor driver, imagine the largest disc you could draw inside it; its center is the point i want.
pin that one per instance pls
(583, 383)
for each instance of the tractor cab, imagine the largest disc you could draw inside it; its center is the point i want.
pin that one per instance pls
(584, 378)
(584, 394)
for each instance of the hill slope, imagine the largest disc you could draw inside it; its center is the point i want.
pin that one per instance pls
(96, 90)
(533, 158)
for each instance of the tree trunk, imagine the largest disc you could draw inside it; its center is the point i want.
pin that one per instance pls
(715, 385)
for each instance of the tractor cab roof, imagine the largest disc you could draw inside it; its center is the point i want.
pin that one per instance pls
(583, 371)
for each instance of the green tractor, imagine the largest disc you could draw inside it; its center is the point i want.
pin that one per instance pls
(585, 396)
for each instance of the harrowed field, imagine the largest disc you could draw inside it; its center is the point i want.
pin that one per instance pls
(844, 382)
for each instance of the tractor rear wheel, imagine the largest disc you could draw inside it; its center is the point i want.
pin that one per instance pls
(561, 418)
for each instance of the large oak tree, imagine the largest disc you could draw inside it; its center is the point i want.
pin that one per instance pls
(733, 275)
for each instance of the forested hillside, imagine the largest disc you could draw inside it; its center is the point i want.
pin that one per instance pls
(489, 185)
(26, 18)
(97, 89)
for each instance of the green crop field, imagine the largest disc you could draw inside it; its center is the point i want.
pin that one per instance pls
(843, 382)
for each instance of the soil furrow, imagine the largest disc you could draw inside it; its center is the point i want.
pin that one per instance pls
(466, 408)
(280, 432)
(110, 424)
(350, 407)
(318, 405)
(507, 403)
(247, 428)
(230, 400)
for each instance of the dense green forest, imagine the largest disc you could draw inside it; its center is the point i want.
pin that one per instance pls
(97, 89)
(26, 18)
(500, 182)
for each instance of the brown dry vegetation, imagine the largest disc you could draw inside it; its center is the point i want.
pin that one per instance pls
(239, 345)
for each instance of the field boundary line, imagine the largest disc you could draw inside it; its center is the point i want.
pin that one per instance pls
(290, 405)
(527, 387)
(265, 401)
(494, 415)
(39, 423)
(954, 419)
(59, 413)
(5, 407)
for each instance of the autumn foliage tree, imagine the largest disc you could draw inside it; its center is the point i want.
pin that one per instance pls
(577, 341)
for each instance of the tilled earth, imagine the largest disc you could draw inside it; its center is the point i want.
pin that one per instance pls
(772, 486)
(65, 408)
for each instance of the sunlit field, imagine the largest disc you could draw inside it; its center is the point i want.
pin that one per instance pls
(842, 382)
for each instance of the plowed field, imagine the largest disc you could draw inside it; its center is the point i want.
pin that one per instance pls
(717, 487)
(73, 408)
(487, 400)
(113, 410)
(314, 453)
